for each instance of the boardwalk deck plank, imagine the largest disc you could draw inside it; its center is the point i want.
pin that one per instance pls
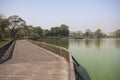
(31, 62)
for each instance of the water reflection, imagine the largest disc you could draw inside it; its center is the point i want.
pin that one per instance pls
(99, 43)
(91, 42)
(117, 43)
(76, 41)
(88, 42)
(59, 42)
(100, 57)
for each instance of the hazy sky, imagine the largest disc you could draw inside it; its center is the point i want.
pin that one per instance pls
(77, 14)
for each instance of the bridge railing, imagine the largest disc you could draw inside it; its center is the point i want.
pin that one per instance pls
(80, 71)
(61, 52)
(5, 47)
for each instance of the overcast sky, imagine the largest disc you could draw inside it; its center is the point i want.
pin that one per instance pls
(77, 14)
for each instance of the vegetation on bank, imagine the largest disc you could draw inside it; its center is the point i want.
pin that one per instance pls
(3, 42)
(58, 42)
(94, 35)
(15, 26)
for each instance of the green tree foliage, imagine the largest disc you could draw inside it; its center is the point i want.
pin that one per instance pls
(47, 32)
(55, 31)
(76, 35)
(64, 30)
(37, 31)
(3, 24)
(26, 31)
(23, 32)
(117, 33)
(30, 31)
(98, 33)
(88, 34)
(15, 26)
(16, 23)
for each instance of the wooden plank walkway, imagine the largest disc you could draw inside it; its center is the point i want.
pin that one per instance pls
(31, 62)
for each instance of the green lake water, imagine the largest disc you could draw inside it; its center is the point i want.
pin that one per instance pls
(101, 58)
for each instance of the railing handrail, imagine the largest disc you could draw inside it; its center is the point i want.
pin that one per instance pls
(81, 73)
(5, 47)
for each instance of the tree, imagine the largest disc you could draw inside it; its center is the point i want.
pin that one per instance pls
(88, 33)
(3, 24)
(98, 33)
(15, 24)
(37, 31)
(46, 32)
(64, 30)
(77, 35)
(55, 31)
(117, 33)
(26, 31)
(29, 30)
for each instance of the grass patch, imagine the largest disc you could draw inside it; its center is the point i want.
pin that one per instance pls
(3, 42)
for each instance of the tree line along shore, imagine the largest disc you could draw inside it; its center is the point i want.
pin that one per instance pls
(15, 26)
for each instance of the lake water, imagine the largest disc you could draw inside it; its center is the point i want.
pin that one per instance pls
(101, 58)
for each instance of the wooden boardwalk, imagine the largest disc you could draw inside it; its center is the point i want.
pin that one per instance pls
(31, 62)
